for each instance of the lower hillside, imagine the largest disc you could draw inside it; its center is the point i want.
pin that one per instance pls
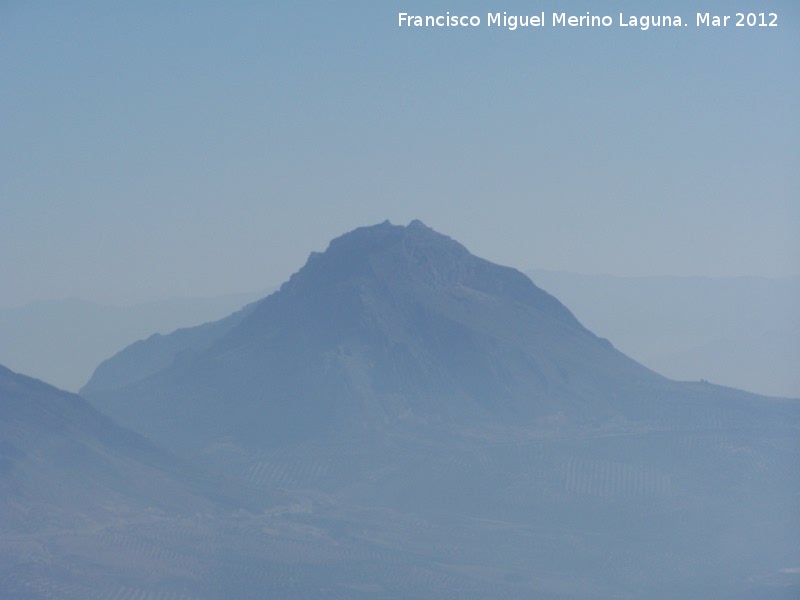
(699, 502)
(85, 503)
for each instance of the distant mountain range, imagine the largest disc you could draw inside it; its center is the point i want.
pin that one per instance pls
(404, 419)
(390, 325)
(63, 341)
(742, 332)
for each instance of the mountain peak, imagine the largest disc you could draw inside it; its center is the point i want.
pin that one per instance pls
(404, 253)
(411, 258)
(390, 322)
(375, 237)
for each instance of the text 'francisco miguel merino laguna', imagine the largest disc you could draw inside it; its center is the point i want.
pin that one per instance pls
(512, 22)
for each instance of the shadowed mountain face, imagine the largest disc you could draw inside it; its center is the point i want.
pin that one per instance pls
(80, 495)
(59, 457)
(390, 324)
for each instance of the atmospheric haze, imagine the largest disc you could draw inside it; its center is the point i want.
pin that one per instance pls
(402, 417)
(162, 153)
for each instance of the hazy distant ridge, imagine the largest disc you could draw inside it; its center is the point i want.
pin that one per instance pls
(63, 341)
(739, 331)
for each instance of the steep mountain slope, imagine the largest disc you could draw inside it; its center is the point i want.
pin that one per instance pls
(742, 332)
(157, 352)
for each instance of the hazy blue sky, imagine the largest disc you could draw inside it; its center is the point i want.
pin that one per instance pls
(157, 149)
